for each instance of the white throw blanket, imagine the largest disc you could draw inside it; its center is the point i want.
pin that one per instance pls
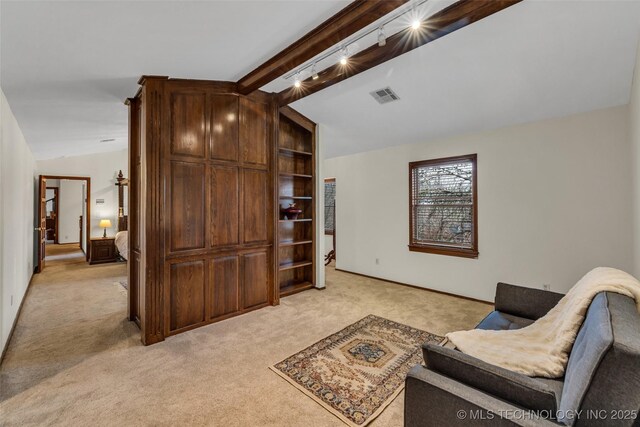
(542, 348)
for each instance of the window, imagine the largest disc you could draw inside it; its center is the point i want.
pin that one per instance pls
(443, 201)
(329, 205)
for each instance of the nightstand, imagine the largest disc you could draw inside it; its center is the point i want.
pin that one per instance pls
(103, 249)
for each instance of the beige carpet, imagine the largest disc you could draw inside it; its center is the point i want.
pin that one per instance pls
(75, 360)
(68, 253)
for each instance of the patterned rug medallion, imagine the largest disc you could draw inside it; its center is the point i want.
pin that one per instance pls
(357, 372)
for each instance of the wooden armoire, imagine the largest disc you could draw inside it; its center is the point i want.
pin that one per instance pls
(210, 172)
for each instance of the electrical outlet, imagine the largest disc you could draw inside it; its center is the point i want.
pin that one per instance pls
(377, 261)
(546, 287)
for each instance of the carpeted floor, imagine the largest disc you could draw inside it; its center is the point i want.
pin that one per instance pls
(75, 360)
(68, 253)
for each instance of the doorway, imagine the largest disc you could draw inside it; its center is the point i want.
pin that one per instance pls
(330, 220)
(64, 219)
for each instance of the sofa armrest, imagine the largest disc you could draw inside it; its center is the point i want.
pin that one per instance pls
(524, 302)
(432, 399)
(503, 383)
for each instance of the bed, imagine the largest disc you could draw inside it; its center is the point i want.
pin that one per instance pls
(122, 236)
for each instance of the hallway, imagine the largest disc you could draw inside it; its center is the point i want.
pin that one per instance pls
(56, 254)
(71, 312)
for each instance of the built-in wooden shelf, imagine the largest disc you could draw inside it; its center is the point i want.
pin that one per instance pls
(295, 288)
(296, 175)
(297, 197)
(292, 265)
(294, 243)
(297, 152)
(295, 249)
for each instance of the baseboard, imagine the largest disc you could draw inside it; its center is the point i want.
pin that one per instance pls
(15, 321)
(417, 287)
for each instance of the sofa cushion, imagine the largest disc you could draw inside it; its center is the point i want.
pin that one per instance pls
(524, 302)
(498, 321)
(528, 392)
(592, 342)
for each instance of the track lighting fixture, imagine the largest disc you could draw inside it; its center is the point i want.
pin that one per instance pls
(344, 57)
(382, 38)
(416, 23)
(407, 15)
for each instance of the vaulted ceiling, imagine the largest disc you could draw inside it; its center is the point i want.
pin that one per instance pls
(67, 66)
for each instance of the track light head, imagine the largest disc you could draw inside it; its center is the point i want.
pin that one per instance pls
(416, 24)
(382, 38)
(314, 73)
(297, 83)
(344, 56)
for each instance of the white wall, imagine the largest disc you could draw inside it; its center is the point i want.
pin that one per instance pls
(634, 133)
(553, 203)
(69, 210)
(17, 183)
(103, 169)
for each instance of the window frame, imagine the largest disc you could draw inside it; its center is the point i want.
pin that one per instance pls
(443, 249)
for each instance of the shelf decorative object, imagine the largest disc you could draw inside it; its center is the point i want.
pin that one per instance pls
(291, 212)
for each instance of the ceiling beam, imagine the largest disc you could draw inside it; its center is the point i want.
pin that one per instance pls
(446, 21)
(351, 19)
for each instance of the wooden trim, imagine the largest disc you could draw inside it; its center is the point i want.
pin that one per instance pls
(56, 196)
(353, 18)
(446, 21)
(442, 249)
(15, 321)
(298, 118)
(417, 287)
(87, 202)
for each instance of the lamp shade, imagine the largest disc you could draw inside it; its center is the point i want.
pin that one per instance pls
(105, 223)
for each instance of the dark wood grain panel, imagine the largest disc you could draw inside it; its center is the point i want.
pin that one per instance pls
(253, 132)
(255, 273)
(225, 191)
(187, 294)
(187, 222)
(188, 124)
(224, 286)
(255, 205)
(224, 127)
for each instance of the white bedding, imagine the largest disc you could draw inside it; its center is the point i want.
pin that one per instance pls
(122, 243)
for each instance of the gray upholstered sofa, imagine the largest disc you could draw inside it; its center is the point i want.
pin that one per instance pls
(601, 385)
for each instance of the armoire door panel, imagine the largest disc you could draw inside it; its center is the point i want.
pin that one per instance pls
(255, 205)
(187, 294)
(255, 277)
(224, 127)
(187, 221)
(253, 132)
(188, 124)
(224, 205)
(224, 286)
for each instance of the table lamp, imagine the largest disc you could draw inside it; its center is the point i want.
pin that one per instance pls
(105, 223)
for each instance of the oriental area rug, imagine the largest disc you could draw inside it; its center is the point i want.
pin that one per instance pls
(358, 371)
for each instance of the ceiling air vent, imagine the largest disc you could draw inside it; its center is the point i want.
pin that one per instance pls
(385, 95)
